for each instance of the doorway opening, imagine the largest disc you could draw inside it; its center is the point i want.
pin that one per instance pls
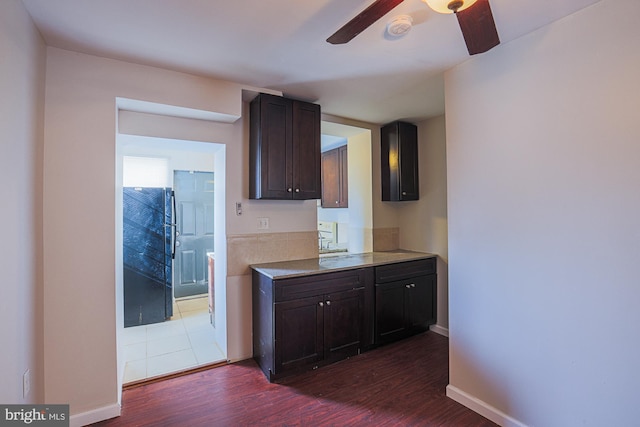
(189, 221)
(345, 214)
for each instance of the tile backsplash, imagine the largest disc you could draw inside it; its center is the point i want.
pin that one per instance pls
(246, 249)
(386, 239)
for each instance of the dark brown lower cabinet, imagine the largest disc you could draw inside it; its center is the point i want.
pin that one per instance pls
(302, 323)
(405, 300)
(325, 328)
(299, 328)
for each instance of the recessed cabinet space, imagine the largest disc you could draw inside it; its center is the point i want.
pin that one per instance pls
(335, 182)
(405, 299)
(284, 149)
(305, 322)
(399, 161)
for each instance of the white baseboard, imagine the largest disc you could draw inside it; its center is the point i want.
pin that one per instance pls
(482, 408)
(95, 415)
(439, 330)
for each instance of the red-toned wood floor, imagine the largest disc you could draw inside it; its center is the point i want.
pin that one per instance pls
(401, 384)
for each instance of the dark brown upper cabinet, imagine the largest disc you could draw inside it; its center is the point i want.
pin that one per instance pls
(284, 149)
(335, 183)
(399, 161)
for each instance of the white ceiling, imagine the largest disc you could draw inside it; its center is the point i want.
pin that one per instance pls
(280, 45)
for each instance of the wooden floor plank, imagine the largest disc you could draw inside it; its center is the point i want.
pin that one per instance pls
(401, 384)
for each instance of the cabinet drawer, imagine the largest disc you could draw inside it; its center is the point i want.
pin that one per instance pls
(404, 270)
(319, 284)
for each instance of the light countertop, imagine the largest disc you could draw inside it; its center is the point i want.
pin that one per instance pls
(306, 267)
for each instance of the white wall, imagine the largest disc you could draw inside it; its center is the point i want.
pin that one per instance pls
(544, 223)
(22, 76)
(423, 223)
(360, 192)
(79, 207)
(175, 155)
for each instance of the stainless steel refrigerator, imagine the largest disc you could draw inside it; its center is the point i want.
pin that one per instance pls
(148, 251)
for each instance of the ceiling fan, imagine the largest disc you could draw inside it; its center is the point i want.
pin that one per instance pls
(474, 16)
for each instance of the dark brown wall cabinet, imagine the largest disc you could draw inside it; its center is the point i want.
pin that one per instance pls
(405, 299)
(335, 182)
(284, 149)
(302, 323)
(399, 161)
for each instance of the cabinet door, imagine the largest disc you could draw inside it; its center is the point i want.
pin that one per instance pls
(408, 161)
(420, 302)
(306, 151)
(343, 324)
(330, 179)
(405, 307)
(335, 181)
(391, 316)
(299, 333)
(271, 147)
(399, 161)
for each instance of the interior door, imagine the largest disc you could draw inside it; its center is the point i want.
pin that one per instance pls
(194, 231)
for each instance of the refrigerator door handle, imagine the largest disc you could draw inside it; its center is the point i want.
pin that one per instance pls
(174, 225)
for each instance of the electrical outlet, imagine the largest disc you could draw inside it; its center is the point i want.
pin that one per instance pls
(26, 383)
(263, 223)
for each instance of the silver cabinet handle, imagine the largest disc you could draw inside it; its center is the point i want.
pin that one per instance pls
(320, 303)
(404, 193)
(407, 286)
(288, 190)
(297, 190)
(328, 302)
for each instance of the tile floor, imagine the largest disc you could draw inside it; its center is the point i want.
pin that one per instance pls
(185, 341)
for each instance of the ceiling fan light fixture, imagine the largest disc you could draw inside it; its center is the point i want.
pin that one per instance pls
(449, 6)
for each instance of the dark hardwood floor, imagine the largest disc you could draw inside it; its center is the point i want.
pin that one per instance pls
(401, 384)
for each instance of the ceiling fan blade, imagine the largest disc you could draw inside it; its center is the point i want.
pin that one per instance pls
(478, 27)
(361, 22)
